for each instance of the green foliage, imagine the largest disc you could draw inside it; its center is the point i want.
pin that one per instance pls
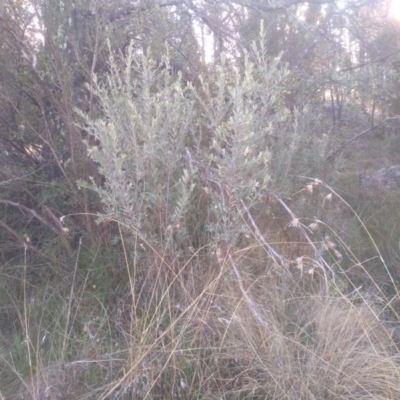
(158, 139)
(142, 146)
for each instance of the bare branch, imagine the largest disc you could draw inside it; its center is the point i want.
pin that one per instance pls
(19, 177)
(265, 7)
(332, 156)
(59, 231)
(254, 307)
(268, 7)
(123, 12)
(18, 237)
(272, 252)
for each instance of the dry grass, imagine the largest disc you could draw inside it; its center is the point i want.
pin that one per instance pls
(223, 323)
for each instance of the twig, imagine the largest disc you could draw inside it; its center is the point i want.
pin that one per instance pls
(274, 255)
(58, 231)
(354, 291)
(20, 177)
(332, 156)
(254, 307)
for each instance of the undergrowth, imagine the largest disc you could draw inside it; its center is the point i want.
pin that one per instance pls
(227, 323)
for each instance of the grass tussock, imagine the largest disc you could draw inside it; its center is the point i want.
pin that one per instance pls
(224, 323)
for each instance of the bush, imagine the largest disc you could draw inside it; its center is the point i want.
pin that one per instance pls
(220, 288)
